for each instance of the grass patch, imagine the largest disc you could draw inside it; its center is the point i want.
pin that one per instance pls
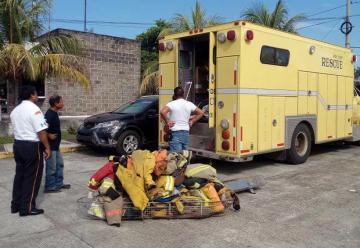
(6, 140)
(68, 136)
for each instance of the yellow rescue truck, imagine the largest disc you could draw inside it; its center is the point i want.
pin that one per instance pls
(264, 91)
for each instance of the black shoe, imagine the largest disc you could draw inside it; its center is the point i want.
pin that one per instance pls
(14, 210)
(65, 186)
(34, 211)
(52, 190)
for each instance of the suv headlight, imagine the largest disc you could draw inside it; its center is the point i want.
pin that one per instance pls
(110, 126)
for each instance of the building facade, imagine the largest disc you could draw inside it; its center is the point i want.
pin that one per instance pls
(114, 69)
(113, 66)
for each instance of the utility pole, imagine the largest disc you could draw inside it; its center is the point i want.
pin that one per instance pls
(49, 20)
(347, 42)
(85, 29)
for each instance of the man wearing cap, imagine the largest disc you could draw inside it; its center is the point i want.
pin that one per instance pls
(30, 142)
(180, 115)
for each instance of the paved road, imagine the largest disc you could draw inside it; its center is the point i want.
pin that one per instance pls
(308, 205)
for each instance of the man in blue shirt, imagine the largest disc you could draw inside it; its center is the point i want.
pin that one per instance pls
(54, 180)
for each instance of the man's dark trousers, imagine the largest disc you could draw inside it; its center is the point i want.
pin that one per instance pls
(29, 170)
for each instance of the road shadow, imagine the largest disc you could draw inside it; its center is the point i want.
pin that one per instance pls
(229, 168)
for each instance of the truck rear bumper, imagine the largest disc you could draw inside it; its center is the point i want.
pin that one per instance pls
(213, 155)
(356, 133)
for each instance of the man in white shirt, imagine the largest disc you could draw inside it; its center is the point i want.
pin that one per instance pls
(180, 115)
(29, 130)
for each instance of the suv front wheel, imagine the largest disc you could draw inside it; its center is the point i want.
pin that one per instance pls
(128, 142)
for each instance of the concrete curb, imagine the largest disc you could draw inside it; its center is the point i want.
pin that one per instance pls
(64, 149)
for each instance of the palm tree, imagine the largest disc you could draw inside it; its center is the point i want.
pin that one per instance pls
(198, 19)
(179, 23)
(22, 57)
(277, 19)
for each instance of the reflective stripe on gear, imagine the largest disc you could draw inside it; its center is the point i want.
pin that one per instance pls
(201, 170)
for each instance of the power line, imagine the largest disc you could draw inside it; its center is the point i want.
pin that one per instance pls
(316, 24)
(328, 10)
(331, 20)
(103, 22)
(328, 18)
(325, 11)
(329, 31)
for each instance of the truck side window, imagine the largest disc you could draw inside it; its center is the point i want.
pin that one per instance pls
(184, 60)
(274, 56)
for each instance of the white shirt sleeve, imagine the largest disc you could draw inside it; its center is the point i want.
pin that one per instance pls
(38, 121)
(169, 105)
(192, 106)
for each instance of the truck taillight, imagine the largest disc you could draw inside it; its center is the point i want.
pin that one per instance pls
(225, 134)
(231, 35)
(225, 145)
(249, 35)
(162, 47)
(354, 59)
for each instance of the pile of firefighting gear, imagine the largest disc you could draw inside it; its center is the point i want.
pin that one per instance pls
(158, 184)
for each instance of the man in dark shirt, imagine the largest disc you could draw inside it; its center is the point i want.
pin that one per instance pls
(54, 181)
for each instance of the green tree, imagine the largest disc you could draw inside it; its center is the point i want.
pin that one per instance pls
(23, 57)
(198, 19)
(178, 23)
(149, 43)
(278, 18)
(150, 57)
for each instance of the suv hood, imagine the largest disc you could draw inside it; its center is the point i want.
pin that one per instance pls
(104, 117)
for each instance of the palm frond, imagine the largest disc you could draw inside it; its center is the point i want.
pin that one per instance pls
(257, 14)
(62, 44)
(198, 16)
(213, 20)
(180, 23)
(277, 19)
(150, 85)
(16, 62)
(151, 67)
(290, 25)
(63, 65)
(164, 32)
(279, 15)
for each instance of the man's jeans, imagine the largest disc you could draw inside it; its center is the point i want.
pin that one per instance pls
(179, 141)
(54, 171)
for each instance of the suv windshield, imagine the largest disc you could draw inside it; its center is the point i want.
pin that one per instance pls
(134, 107)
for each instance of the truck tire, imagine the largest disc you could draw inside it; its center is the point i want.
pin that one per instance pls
(128, 142)
(300, 145)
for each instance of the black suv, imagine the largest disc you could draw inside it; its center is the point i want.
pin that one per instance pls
(132, 126)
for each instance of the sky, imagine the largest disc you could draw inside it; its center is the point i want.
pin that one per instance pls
(70, 14)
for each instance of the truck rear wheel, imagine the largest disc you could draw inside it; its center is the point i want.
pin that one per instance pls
(300, 145)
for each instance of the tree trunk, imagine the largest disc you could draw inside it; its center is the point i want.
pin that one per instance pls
(13, 94)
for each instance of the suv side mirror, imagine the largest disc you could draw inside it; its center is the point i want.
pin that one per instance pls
(151, 113)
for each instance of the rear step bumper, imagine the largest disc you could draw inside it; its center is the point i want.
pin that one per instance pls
(213, 155)
(356, 133)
